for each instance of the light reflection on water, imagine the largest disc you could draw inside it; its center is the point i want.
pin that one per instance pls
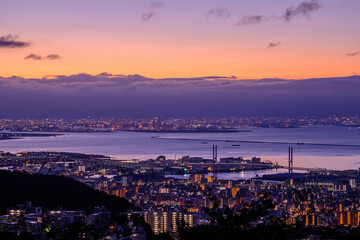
(136, 145)
(237, 175)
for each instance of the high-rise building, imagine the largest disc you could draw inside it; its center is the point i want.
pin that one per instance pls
(162, 222)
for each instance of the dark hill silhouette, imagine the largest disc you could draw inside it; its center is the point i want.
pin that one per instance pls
(53, 192)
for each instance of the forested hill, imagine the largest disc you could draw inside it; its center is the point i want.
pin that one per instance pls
(53, 192)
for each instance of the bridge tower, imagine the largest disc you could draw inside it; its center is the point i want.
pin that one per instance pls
(214, 159)
(291, 160)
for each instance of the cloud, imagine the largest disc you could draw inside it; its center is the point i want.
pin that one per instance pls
(111, 95)
(33, 56)
(53, 56)
(303, 9)
(250, 20)
(353, 54)
(272, 45)
(147, 16)
(10, 41)
(156, 4)
(214, 83)
(218, 12)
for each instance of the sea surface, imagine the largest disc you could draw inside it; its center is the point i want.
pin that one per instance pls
(274, 145)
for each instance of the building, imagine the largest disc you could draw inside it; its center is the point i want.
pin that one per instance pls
(162, 222)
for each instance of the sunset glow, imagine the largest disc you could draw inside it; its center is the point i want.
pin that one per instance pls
(181, 39)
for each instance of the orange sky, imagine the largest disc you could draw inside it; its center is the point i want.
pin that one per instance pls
(180, 41)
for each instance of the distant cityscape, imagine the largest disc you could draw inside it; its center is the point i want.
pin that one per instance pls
(158, 124)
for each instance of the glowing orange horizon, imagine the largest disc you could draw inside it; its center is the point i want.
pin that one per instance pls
(180, 42)
(177, 62)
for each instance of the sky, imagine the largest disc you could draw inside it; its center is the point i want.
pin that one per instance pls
(187, 52)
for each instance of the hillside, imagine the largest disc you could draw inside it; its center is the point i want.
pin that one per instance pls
(52, 192)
